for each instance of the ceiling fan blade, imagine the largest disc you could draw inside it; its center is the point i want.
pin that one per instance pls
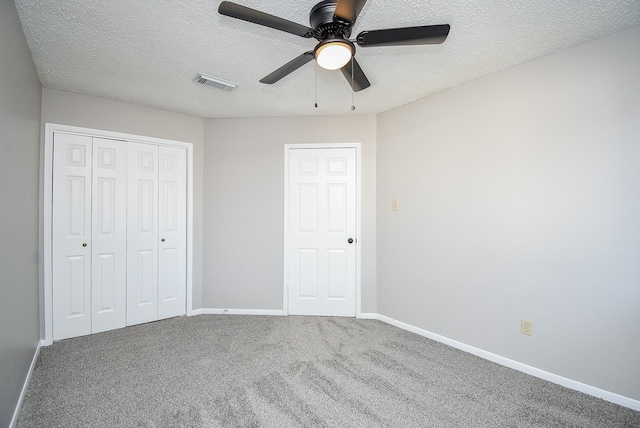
(348, 10)
(288, 68)
(425, 35)
(251, 15)
(359, 80)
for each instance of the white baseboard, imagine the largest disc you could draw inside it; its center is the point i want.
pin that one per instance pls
(34, 360)
(213, 311)
(367, 316)
(571, 384)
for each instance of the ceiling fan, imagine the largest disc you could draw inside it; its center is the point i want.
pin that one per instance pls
(331, 23)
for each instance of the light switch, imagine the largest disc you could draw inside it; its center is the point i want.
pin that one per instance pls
(395, 205)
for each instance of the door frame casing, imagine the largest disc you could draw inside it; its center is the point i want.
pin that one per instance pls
(47, 210)
(357, 147)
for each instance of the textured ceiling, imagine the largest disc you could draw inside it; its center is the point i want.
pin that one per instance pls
(149, 52)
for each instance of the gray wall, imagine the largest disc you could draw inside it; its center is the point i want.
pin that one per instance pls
(244, 205)
(520, 198)
(20, 92)
(68, 108)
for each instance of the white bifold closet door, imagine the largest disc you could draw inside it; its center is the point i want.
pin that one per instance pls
(119, 234)
(156, 244)
(89, 235)
(109, 235)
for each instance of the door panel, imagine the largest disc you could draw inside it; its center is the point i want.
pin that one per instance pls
(109, 235)
(172, 223)
(308, 208)
(322, 217)
(71, 236)
(77, 275)
(105, 295)
(307, 274)
(337, 266)
(145, 293)
(142, 233)
(337, 209)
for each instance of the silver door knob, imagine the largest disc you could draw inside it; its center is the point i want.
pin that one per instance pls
(350, 240)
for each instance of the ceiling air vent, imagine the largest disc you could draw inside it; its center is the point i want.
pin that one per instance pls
(216, 82)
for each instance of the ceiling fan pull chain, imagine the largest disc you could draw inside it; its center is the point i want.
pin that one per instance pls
(315, 68)
(353, 103)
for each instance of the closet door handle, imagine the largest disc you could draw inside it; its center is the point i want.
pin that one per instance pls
(162, 239)
(84, 244)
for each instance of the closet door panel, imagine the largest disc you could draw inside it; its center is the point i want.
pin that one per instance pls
(142, 233)
(109, 235)
(172, 277)
(71, 236)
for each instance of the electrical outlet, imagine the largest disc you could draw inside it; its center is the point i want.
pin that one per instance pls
(526, 327)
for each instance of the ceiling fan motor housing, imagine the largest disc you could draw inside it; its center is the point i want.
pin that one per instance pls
(322, 21)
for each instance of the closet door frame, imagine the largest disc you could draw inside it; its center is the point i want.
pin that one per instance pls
(47, 211)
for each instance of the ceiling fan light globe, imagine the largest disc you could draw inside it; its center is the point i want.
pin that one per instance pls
(333, 55)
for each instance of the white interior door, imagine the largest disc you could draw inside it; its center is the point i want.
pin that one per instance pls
(322, 231)
(172, 224)
(109, 235)
(142, 233)
(71, 223)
